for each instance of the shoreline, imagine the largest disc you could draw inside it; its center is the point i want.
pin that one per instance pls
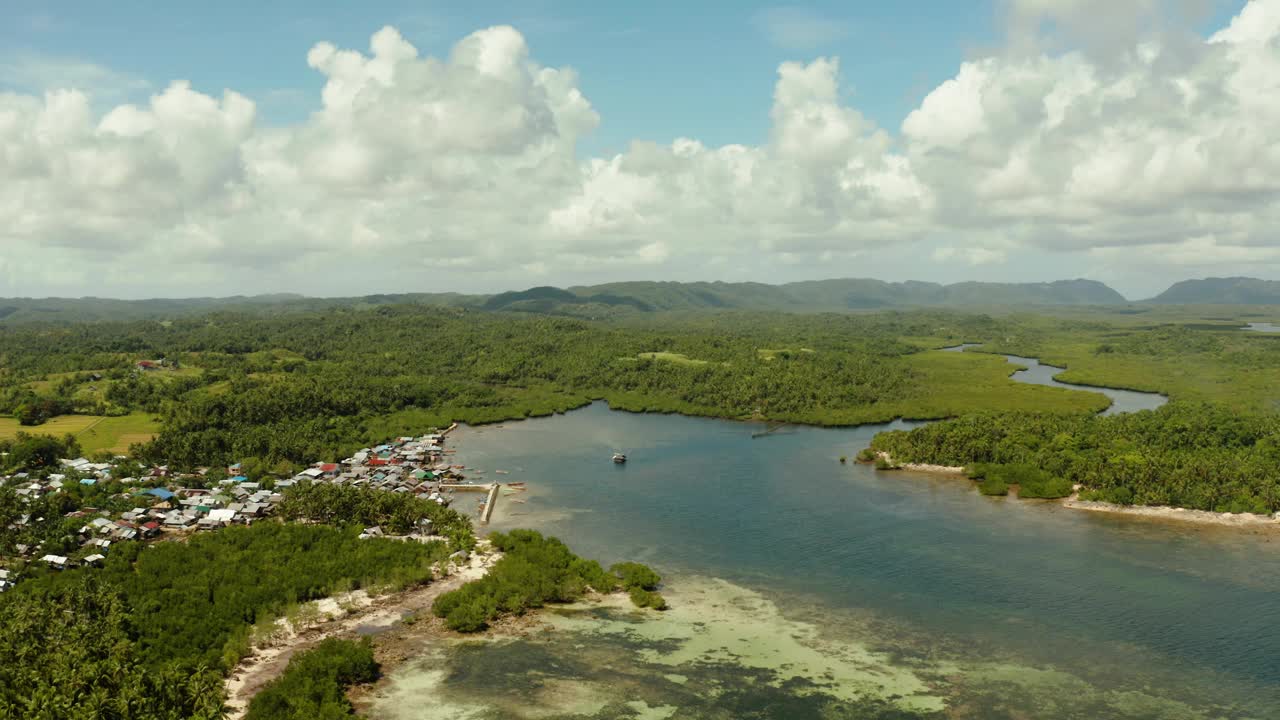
(1168, 512)
(266, 663)
(490, 424)
(1159, 512)
(402, 643)
(920, 467)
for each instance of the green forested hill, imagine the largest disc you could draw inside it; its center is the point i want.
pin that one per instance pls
(858, 294)
(1221, 291)
(15, 311)
(624, 298)
(597, 300)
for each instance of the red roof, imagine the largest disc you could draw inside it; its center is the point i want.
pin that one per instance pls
(377, 462)
(153, 525)
(329, 467)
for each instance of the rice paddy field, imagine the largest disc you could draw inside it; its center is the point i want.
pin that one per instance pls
(95, 432)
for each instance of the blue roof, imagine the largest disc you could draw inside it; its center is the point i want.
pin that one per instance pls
(88, 481)
(160, 493)
(239, 479)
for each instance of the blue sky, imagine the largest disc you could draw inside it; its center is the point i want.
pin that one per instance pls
(977, 176)
(656, 70)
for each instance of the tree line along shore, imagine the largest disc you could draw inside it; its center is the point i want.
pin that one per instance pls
(278, 393)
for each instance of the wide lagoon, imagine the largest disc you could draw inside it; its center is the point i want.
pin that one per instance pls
(803, 587)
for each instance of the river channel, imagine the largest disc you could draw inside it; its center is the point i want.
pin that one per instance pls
(1037, 373)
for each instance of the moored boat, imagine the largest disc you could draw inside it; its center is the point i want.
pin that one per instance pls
(619, 458)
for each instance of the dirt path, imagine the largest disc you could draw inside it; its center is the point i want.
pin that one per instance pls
(350, 612)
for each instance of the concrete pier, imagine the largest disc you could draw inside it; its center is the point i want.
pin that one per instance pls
(492, 500)
(490, 503)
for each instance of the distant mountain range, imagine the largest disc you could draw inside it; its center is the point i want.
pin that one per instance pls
(1221, 291)
(643, 297)
(847, 294)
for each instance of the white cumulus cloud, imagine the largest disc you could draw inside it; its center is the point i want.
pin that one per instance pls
(463, 172)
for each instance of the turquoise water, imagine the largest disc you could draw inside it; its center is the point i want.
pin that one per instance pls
(802, 587)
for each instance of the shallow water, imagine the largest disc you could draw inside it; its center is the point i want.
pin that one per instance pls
(1263, 327)
(802, 587)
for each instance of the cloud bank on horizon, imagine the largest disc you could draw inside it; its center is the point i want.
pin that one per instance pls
(1161, 155)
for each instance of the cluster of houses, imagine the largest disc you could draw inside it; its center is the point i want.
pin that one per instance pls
(404, 465)
(415, 465)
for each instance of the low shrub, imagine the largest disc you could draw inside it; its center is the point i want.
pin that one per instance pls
(314, 684)
(648, 599)
(533, 572)
(993, 486)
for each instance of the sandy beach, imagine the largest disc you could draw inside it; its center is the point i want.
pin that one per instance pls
(340, 616)
(1165, 512)
(923, 467)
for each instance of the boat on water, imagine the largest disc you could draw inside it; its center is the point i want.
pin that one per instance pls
(619, 458)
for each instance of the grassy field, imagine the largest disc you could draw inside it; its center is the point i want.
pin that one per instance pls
(1202, 358)
(955, 383)
(770, 354)
(94, 392)
(61, 425)
(113, 434)
(671, 357)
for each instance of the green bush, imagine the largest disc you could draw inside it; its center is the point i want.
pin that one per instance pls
(866, 455)
(977, 471)
(313, 686)
(993, 486)
(647, 599)
(533, 572)
(1049, 487)
(1032, 482)
(634, 575)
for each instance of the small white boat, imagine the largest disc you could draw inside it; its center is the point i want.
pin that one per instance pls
(619, 458)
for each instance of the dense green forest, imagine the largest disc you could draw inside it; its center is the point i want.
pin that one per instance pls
(397, 513)
(533, 572)
(1187, 455)
(315, 387)
(71, 652)
(150, 634)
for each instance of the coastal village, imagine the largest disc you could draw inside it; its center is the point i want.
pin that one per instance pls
(171, 505)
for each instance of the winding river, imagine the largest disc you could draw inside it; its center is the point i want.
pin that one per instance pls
(1037, 373)
(805, 588)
